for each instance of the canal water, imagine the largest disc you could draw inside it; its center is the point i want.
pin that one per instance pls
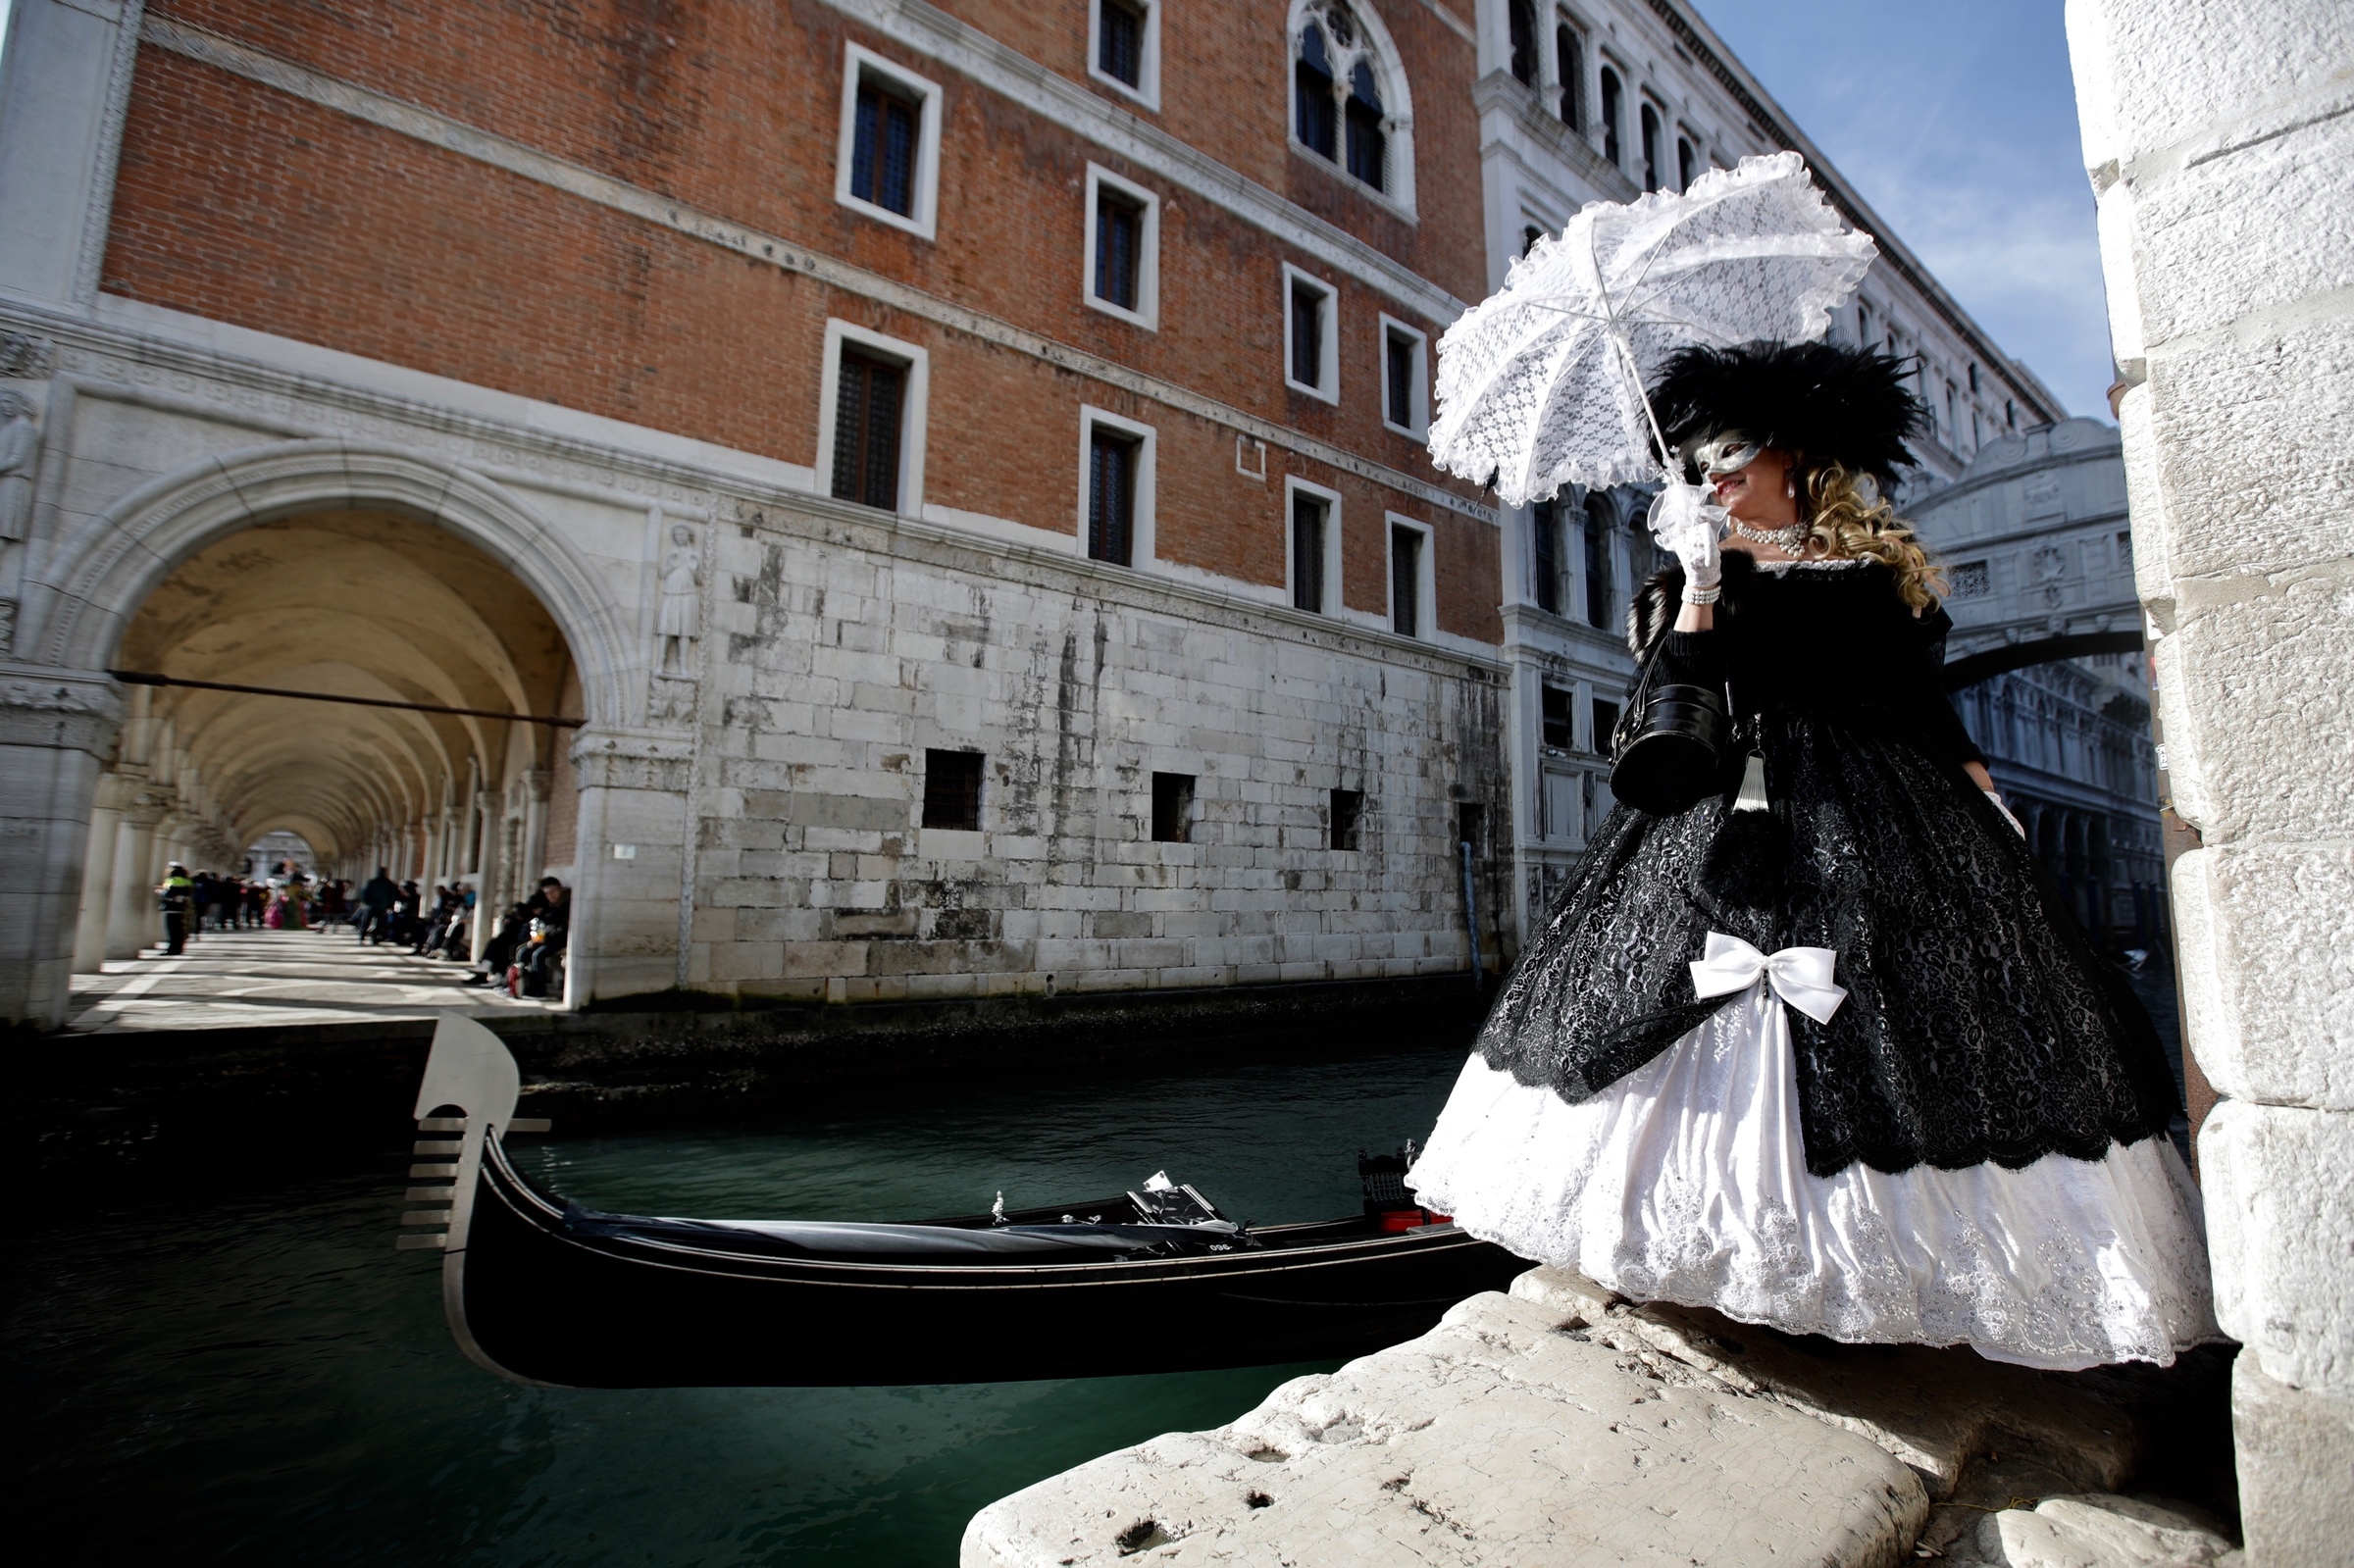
(236, 1366)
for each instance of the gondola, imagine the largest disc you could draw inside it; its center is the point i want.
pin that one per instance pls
(542, 1291)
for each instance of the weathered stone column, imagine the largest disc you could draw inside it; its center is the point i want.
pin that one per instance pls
(625, 928)
(98, 872)
(2220, 141)
(131, 900)
(56, 726)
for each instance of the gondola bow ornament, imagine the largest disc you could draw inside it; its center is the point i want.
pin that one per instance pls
(1541, 385)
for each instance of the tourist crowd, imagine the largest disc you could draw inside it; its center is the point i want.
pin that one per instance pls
(524, 956)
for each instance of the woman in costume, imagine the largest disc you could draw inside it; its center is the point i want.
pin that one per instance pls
(1826, 1052)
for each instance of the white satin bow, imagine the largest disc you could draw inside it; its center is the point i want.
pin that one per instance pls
(1800, 975)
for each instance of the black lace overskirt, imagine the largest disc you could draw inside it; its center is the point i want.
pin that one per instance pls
(1979, 1023)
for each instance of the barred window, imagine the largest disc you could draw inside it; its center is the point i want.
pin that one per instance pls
(869, 398)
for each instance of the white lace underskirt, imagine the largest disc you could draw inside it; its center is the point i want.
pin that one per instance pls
(1686, 1181)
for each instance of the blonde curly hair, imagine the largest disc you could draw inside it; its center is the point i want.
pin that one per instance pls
(1848, 520)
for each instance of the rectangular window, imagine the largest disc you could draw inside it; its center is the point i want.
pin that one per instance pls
(1606, 721)
(1172, 807)
(1120, 41)
(1310, 335)
(1347, 818)
(887, 161)
(1471, 828)
(1119, 248)
(1122, 262)
(1545, 523)
(882, 154)
(1309, 516)
(1112, 495)
(870, 393)
(1406, 580)
(1405, 378)
(952, 789)
(1554, 701)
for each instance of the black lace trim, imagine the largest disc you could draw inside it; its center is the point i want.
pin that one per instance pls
(1979, 1025)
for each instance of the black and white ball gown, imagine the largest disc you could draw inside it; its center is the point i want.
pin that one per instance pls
(1946, 1124)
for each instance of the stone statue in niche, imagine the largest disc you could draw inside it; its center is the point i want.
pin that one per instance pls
(681, 620)
(19, 448)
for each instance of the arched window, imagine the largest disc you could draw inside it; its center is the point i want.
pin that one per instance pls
(1651, 149)
(1686, 166)
(1367, 145)
(1349, 101)
(1600, 589)
(1531, 234)
(1523, 23)
(1312, 78)
(1569, 63)
(1610, 94)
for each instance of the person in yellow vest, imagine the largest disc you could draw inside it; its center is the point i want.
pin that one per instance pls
(177, 894)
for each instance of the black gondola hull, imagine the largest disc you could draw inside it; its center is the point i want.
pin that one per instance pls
(544, 1303)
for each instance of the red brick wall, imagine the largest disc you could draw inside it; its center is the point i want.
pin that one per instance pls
(243, 204)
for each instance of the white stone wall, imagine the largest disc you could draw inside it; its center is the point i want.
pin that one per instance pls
(844, 651)
(2220, 141)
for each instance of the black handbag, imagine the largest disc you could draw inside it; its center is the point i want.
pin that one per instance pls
(1667, 752)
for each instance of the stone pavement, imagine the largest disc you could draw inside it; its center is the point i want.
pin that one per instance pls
(1561, 1426)
(244, 979)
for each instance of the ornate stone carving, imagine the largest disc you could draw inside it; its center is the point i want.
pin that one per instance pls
(19, 450)
(681, 621)
(25, 356)
(68, 708)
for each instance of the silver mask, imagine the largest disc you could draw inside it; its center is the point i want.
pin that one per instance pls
(1723, 453)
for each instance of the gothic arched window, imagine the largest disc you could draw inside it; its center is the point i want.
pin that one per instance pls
(1311, 79)
(1569, 63)
(1611, 92)
(1366, 143)
(1350, 103)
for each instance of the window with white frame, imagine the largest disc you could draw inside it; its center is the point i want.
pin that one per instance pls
(1649, 117)
(1348, 96)
(888, 164)
(1123, 248)
(1687, 162)
(1123, 47)
(1413, 592)
(1405, 378)
(1312, 354)
(1313, 568)
(1115, 487)
(870, 418)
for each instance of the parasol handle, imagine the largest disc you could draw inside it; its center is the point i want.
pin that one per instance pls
(1627, 353)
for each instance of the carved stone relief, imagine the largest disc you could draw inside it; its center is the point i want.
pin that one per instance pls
(25, 356)
(678, 628)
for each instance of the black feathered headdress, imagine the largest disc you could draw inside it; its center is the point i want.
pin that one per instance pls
(1848, 406)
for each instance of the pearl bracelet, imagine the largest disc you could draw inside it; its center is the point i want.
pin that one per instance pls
(1707, 595)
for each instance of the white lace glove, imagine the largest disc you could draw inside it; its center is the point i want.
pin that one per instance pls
(2006, 811)
(1687, 523)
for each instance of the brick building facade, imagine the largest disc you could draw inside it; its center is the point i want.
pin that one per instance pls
(856, 389)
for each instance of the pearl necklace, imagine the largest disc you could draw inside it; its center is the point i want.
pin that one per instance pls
(1791, 540)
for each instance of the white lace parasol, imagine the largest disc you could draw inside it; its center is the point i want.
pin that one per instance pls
(1541, 385)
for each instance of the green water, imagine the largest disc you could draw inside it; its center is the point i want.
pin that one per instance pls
(239, 1368)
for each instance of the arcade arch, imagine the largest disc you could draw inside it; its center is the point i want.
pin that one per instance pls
(346, 599)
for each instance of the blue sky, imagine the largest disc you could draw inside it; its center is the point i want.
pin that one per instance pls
(1958, 124)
